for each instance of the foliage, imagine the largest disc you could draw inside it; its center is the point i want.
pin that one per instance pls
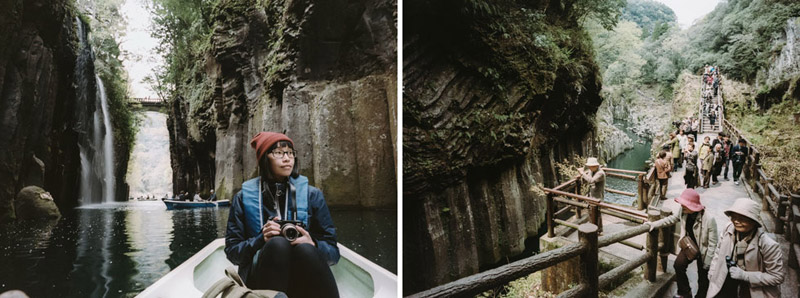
(773, 131)
(737, 36)
(653, 17)
(617, 52)
(529, 286)
(605, 12)
(184, 28)
(107, 27)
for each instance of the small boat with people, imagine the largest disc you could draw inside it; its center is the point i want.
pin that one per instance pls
(173, 204)
(355, 275)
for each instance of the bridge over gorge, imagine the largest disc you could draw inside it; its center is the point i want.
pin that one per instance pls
(617, 235)
(154, 102)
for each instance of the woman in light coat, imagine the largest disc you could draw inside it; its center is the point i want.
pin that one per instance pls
(702, 229)
(757, 259)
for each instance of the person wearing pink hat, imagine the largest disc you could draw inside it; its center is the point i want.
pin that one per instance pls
(696, 236)
(280, 232)
(748, 263)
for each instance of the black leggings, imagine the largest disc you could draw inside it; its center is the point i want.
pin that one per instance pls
(298, 271)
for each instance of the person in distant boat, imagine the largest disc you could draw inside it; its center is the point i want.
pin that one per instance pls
(269, 255)
(213, 196)
(595, 177)
(197, 198)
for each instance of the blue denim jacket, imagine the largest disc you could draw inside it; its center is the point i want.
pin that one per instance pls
(243, 237)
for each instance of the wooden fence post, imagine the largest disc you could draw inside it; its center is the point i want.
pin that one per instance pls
(652, 247)
(780, 226)
(794, 234)
(550, 215)
(664, 241)
(595, 217)
(578, 192)
(640, 185)
(587, 233)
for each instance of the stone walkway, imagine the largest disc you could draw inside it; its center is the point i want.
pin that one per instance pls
(716, 199)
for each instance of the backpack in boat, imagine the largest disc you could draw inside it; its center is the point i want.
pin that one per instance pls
(232, 286)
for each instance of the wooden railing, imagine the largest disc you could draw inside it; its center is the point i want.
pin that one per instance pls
(587, 249)
(794, 232)
(568, 194)
(774, 201)
(778, 200)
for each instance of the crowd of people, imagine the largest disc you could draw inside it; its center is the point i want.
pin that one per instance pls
(709, 91)
(740, 260)
(185, 196)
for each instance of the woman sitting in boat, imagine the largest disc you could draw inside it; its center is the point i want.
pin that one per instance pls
(268, 258)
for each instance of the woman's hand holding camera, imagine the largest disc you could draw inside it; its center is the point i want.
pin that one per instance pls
(271, 229)
(306, 238)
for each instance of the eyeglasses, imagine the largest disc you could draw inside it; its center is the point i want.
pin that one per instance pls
(281, 154)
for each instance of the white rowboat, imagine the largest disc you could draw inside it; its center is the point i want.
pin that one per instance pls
(355, 275)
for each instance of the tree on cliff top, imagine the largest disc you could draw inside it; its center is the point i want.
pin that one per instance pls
(651, 16)
(184, 28)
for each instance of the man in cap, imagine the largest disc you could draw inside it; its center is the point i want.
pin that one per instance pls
(748, 263)
(595, 177)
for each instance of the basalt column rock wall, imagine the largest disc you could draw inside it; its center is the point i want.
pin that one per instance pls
(38, 142)
(495, 93)
(323, 71)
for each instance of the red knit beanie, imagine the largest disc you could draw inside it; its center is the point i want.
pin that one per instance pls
(262, 141)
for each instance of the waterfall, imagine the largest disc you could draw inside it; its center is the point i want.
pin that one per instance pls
(149, 170)
(94, 126)
(108, 147)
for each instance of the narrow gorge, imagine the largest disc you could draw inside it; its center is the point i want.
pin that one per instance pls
(486, 119)
(324, 75)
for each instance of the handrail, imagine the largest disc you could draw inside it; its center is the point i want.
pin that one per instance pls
(758, 180)
(587, 249)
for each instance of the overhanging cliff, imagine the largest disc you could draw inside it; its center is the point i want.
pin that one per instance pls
(323, 71)
(494, 94)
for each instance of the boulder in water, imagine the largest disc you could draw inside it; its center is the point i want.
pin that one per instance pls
(33, 202)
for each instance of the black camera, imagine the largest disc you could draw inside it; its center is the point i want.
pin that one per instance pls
(730, 262)
(289, 229)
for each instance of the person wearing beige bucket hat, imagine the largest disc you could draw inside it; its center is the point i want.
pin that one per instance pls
(748, 262)
(696, 234)
(595, 177)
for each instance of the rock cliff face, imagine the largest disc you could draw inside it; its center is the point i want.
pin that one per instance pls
(783, 75)
(323, 71)
(786, 65)
(495, 93)
(38, 143)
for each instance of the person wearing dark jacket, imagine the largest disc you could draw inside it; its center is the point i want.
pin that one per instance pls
(267, 256)
(739, 154)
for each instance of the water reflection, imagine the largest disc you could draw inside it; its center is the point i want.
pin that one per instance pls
(119, 249)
